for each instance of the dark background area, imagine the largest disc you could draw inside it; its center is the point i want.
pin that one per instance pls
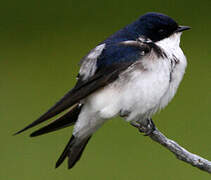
(41, 43)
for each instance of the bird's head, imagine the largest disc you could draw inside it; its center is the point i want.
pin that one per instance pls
(157, 26)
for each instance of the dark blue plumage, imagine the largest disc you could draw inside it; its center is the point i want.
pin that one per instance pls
(154, 26)
(117, 53)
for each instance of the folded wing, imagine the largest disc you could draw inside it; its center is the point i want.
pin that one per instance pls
(109, 63)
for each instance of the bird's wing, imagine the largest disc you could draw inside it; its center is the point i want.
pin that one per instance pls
(108, 62)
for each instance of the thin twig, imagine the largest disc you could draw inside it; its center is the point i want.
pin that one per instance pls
(180, 152)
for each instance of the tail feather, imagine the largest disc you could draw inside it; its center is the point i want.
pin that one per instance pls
(66, 120)
(65, 152)
(73, 151)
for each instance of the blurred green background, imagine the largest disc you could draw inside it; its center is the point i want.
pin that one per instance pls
(40, 45)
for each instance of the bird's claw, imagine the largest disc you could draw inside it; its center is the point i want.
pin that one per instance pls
(147, 129)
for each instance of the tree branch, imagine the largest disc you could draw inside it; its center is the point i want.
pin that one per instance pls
(180, 152)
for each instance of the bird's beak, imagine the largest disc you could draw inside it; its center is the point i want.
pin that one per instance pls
(182, 28)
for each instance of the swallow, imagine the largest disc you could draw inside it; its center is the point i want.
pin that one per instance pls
(132, 74)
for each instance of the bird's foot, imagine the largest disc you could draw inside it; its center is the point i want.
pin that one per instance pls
(146, 128)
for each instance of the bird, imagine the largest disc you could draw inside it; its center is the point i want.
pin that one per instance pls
(132, 74)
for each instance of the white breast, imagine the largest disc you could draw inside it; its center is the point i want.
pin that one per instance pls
(141, 96)
(178, 65)
(148, 91)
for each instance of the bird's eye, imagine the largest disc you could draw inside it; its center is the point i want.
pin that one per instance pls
(161, 31)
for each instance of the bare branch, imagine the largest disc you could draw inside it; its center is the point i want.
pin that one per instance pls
(180, 152)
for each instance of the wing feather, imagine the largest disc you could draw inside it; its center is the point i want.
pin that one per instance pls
(106, 72)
